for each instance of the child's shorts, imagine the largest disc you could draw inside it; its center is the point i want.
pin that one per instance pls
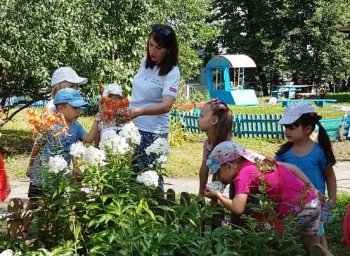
(309, 218)
(34, 192)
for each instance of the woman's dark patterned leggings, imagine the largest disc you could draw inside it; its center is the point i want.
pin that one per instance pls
(142, 160)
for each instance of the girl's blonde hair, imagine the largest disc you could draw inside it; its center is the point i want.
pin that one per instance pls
(60, 86)
(224, 124)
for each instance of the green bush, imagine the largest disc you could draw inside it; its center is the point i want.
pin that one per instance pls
(341, 97)
(118, 216)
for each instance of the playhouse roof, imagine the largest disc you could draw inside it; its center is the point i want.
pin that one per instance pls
(232, 61)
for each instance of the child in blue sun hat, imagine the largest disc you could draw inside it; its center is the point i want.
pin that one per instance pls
(68, 102)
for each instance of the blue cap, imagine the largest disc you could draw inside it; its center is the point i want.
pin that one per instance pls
(70, 96)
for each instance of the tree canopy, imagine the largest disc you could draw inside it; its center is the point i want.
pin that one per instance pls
(287, 38)
(103, 40)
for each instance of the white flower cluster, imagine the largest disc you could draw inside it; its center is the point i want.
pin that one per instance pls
(148, 178)
(161, 159)
(216, 185)
(77, 149)
(159, 147)
(131, 133)
(94, 156)
(57, 164)
(114, 143)
(91, 156)
(7, 252)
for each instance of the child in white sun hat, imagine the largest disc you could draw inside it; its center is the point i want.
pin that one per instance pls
(112, 101)
(315, 159)
(113, 90)
(285, 185)
(63, 77)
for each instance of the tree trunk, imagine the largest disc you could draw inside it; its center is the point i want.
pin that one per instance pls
(263, 81)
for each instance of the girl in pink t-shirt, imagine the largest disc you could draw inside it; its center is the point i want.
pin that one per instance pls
(288, 188)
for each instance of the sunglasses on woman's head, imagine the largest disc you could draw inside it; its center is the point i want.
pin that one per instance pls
(161, 30)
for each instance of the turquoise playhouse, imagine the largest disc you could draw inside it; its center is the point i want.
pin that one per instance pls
(225, 75)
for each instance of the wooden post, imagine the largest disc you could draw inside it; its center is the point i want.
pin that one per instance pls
(15, 221)
(185, 199)
(170, 197)
(158, 195)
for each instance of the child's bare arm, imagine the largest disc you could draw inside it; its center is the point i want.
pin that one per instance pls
(33, 155)
(203, 178)
(90, 136)
(235, 205)
(97, 138)
(331, 183)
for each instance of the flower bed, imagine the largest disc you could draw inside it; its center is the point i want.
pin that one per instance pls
(114, 211)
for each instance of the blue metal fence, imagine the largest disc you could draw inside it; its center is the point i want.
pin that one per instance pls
(267, 125)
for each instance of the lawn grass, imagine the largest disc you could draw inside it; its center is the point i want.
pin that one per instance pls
(184, 160)
(327, 112)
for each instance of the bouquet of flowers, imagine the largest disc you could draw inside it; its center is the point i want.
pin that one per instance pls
(114, 109)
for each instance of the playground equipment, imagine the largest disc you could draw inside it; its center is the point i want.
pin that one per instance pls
(225, 77)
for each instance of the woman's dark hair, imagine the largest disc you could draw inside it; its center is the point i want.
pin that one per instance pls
(165, 37)
(323, 138)
(224, 125)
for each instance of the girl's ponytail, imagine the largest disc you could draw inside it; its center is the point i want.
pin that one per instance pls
(284, 148)
(325, 143)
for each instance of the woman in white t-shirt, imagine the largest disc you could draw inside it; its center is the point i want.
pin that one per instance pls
(154, 90)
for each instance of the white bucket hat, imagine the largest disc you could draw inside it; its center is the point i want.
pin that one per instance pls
(294, 111)
(229, 151)
(67, 74)
(113, 88)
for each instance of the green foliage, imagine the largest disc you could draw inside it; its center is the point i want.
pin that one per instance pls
(177, 135)
(342, 97)
(102, 40)
(118, 217)
(115, 215)
(195, 96)
(288, 39)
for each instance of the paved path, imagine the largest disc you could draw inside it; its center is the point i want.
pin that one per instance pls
(342, 172)
(20, 187)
